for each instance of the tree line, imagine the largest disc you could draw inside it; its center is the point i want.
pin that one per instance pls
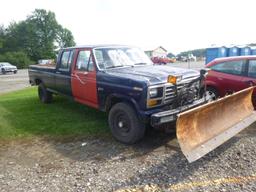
(38, 37)
(195, 52)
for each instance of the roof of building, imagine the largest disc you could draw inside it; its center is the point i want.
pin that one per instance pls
(157, 48)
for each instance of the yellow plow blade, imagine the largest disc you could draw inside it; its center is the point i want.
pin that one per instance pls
(202, 129)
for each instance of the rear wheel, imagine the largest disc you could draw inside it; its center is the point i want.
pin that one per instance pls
(44, 95)
(125, 124)
(3, 71)
(212, 93)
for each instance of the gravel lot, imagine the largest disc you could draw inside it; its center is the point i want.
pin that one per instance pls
(97, 164)
(189, 65)
(102, 164)
(11, 82)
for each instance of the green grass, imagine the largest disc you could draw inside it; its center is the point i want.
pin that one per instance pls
(22, 115)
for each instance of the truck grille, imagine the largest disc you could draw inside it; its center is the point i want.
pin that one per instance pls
(170, 92)
(183, 88)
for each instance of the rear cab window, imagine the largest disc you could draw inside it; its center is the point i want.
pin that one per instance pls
(66, 60)
(252, 68)
(231, 67)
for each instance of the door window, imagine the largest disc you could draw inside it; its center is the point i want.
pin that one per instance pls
(231, 67)
(84, 61)
(252, 68)
(66, 60)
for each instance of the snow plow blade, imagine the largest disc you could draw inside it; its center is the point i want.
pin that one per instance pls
(202, 129)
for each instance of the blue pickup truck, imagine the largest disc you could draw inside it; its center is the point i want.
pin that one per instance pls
(122, 81)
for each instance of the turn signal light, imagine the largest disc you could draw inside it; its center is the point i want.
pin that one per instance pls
(172, 79)
(152, 102)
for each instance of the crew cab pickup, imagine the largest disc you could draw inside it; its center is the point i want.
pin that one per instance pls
(122, 81)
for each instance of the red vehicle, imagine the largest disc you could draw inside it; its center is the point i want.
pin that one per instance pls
(160, 60)
(231, 74)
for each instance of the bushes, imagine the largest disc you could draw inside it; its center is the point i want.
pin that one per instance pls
(19, 58)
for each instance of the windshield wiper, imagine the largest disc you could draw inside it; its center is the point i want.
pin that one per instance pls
(140, 63)
(114, 66)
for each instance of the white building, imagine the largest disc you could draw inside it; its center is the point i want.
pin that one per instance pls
(157, 52)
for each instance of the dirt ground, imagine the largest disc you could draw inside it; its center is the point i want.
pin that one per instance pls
(102, 164)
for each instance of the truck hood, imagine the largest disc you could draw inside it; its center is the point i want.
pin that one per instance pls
(153, 74)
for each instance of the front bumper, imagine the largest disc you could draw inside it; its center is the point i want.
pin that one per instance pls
(171, 115)
(10, 70)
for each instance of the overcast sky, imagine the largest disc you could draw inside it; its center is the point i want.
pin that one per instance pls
(177, 25)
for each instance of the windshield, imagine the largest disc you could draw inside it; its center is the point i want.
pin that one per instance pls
(5, 64)
(120, 57)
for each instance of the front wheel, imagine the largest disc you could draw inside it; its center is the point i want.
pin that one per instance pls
(3, 71)
(212, 93)
(125, 124)
(44, 95)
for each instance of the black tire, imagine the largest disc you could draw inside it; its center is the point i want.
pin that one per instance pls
(44, 95)
(15, 72)
(212, 92)
(3, 71)
(125, 124)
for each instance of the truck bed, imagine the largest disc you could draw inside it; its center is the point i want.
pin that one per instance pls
(49, 66)
(42, 72)
(43, 67)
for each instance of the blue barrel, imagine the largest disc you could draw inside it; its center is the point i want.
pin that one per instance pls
(245, 51)
(233, 51)
(215, 52)
(253, 50)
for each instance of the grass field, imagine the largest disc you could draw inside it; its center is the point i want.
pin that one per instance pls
(22, 115)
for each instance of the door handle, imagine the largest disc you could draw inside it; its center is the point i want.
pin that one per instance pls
(83, 73)
(57, 72)
(219, 78)
(78, 78)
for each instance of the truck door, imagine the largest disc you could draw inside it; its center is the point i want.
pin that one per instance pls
(83, 79)
(62, 78)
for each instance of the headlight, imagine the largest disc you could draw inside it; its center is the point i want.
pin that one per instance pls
(155, 96)
(153, 92)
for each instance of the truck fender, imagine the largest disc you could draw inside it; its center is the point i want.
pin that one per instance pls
(116, 98)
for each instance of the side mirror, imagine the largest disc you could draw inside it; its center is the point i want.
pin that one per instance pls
(204, 72)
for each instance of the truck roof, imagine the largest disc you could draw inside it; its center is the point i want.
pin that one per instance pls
(97, 46)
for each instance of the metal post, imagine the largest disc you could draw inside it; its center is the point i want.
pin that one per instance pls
(188, 61)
